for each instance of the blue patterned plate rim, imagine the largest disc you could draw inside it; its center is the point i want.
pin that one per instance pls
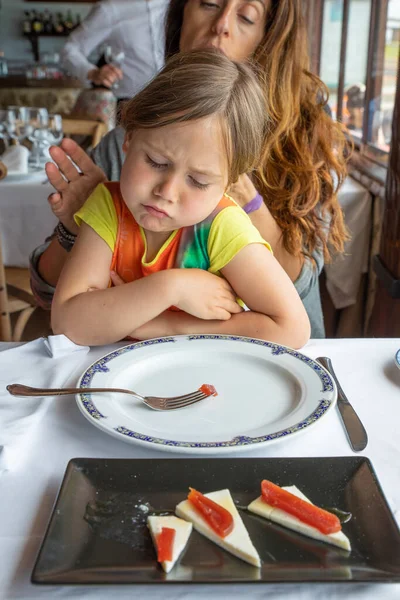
(397, 358)
(88, 407)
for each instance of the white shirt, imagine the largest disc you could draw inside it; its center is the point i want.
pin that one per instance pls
(134, 26)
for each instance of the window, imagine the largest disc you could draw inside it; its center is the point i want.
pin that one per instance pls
(359, 63)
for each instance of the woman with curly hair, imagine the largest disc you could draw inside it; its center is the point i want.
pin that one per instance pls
(291, 198)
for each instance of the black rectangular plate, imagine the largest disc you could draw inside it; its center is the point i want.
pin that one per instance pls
(98, 534)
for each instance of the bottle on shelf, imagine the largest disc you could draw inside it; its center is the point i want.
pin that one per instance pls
(37, 24)
(27, 22)
(68, 23)
(59, 24)
(49, 25)
(46, 21)
(77, 20)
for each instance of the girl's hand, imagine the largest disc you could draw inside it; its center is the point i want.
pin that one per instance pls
(204, 295)
(72, 188)
(116, 279)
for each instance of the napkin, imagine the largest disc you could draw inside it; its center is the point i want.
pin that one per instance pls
(40, 363)
(59, 345)
(15, 158)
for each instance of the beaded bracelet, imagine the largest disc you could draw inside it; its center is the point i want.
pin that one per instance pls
(65, 238)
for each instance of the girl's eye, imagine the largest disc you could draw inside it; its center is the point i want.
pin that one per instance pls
(154, 164)
(200, 186)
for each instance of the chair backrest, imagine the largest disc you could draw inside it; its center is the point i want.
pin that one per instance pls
(15, 297)
(96, 129)
(5, 321)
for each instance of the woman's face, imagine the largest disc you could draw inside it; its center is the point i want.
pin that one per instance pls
(235, 27)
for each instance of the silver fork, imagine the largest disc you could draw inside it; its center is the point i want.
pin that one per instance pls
(154, 402)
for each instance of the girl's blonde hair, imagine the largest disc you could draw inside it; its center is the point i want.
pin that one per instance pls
(200, 84)
(303, 162)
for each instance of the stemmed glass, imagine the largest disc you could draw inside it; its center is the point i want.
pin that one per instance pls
(10, 122)
(4, 135)
(114, 56)
(55, 129)
(38, 135)
(20, 126)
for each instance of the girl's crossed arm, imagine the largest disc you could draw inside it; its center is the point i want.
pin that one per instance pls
(277, 313)
(108, 314)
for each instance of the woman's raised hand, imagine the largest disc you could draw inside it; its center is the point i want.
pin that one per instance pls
(243, 191)
(72, 187)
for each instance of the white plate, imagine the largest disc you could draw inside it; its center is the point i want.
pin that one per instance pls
(397, 358)
(266, 393)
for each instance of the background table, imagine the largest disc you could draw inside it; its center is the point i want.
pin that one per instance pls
(343, 275)
(25, 217)
(370, 378)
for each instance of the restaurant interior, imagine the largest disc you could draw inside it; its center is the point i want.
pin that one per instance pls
(359, 288)
(314, 409)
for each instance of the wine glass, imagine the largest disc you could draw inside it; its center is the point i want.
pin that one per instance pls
(38, 135)
(115, 57)
(10, 122)
(55, 129)
(3, 136)
(18, 117)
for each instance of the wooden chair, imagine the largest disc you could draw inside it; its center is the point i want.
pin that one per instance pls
(15, 297)
(86, 127)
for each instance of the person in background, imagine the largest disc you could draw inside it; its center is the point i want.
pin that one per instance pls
(291, 199)
(134, 27)
(169, 229)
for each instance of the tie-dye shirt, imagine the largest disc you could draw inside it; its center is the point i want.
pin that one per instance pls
(209, 245)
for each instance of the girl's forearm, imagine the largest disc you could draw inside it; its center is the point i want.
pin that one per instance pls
(106, 316)
(249, 324)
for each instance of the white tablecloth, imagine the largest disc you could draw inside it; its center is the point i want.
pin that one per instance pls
(368, 375)
(25, 217)
(343, 275)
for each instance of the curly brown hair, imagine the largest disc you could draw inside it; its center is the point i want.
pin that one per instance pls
(305, 152)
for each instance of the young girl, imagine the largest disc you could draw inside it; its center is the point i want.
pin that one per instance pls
(169, 230)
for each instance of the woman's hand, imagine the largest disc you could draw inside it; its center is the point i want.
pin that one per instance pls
(243, 191)
(72, 188)
(106, 75)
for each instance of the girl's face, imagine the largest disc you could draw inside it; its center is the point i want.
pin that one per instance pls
(235, 27)
(174, 176)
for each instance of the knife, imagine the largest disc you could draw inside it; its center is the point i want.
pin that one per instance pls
(355, 431)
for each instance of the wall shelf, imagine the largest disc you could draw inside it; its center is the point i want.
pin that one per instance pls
(34, 40)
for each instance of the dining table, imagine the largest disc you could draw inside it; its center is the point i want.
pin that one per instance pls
(25, 216)
(367, 371)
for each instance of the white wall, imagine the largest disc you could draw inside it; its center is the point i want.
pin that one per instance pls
(13, 44)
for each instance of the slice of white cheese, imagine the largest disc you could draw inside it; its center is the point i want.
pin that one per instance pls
(261, 508)
(183, 530)
(237, 542)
